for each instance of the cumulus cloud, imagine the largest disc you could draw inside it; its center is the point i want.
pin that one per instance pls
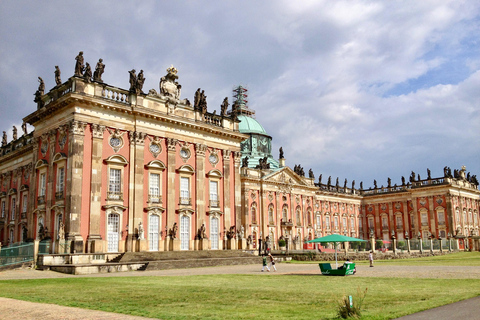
(357, 89)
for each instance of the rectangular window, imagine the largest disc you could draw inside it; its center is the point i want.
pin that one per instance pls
(42, 184)
(154, 186)
(14, 206)
(3, 209)
(214, 194)
(60, 179)
(115, 181)
(335, 221)
(327, 222)
(384, 223)
(441, 217)
(184, 190)
(424, 217)
(399, 222)
(24, 202)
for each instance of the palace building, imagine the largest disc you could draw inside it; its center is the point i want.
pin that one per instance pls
(114, 170)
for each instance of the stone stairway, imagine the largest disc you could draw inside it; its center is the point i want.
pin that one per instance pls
(140, 261)
(189, 259)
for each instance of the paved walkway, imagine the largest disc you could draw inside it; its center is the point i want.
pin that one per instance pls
(17, 309)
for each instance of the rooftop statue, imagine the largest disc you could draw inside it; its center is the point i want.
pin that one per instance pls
(353, 184)
(87, 75)
(58, 80)
(375, 184)
(140, 82)
(132, 80)
(24, 128)
(412, 177)
(429, 176)
(169, 87)
(320, 179)
(403, 180)
(79, 64)
(39, 93)
(224, 107)
(389, 181)
(310, 174)
(281, 153)
(329, 182)
(244, 162)
(345, 184)
(4, 139)
(41, 86)
(99, 69)
(15, 133)
(361, 185)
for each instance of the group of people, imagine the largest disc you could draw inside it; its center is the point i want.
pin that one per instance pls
(265, 263)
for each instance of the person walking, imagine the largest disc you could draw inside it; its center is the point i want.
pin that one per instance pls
(370, 258)
(272, 261)
(264, 265)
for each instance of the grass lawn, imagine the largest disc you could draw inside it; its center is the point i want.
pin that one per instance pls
(249, 296)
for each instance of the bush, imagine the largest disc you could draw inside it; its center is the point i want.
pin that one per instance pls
(363, 245)
(346, 311)
(282, 243)
(378, 244)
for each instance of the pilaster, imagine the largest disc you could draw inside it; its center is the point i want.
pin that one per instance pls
(171, 174)
(237, 157)
(200, 216)
(94, 238)
(226, 190)
(73, 203)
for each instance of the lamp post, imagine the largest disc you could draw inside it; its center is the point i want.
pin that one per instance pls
(394, 240)
(420, 241)
(449, 238)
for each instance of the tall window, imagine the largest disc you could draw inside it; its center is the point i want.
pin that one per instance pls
(154, 186)
(335, 221)
(370, 223)
(424, 217)
(253, 211)
(214, 194)
(14, 207)
(384, 223)
(319, 226)
(352, 223)
(270, 215)
(3, 209)
(284, 214)
(344, 221)
(327, 222)
(60, 179)
(299, 222)
(42, 184)
(441, 217)
(115, 181)
(24, 203)
(184, 190)
(399, 222)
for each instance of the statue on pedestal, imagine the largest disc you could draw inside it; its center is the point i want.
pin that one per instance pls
(141, 231)
(79, 64)
(224, 107)
(99, 69)
(58, 81)
(14, 133)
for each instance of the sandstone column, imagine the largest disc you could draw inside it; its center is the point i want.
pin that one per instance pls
(172, 192)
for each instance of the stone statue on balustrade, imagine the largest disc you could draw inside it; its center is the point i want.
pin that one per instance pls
(24, 128)
(329, 181)
(345, 184)
(353, 184)
(87, 75)
(140, 82)
(39, 93)
(310, 174)
(389, 182)
(412, 177)
(429, 174)
(132, 80)
(319, 179)
(58, 80)
(281, 156)
(4, 139)
(99, 69)
(79, 67)
(375, 184)
(15, 135)
(231, 233)
(245, 162)
(224, 107)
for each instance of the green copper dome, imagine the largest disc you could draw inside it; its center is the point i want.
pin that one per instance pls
(250, 125)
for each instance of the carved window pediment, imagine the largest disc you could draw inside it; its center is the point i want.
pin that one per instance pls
(59, 157)
(41, 163)
(215, 173)
(117, 159)
(186, 169)
(156, 164)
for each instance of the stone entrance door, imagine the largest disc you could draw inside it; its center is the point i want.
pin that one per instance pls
(113, 227)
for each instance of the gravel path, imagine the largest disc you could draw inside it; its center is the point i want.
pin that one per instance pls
(16, 309)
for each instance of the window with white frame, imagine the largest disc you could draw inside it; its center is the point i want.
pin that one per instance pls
(299, 222)
(115, 181)
(384, 223)
(184, 190)
(285, 213)
(14, 208)
(424, 218)
(399, 222)
(214, 194)
(24, 202)
(327, 222)
(335, 222)
(441, 216)
(253, 212)
(42, 185)
(154, 187)
(371, 224)
(3, 209)
(60, 179)
(352, 223)
(319, 225)
(270, 215)
(344, 222)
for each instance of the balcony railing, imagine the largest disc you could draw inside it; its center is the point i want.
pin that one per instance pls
(114, 195)
(154, 198)
(185, 201)
(41, 200)
(214, 203)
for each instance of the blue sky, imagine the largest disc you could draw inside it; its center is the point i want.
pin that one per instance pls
(359, 90)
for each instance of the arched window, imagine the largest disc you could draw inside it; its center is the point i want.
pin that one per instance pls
(285, 213)
(297, 216)
(214, 234)
(270, 215)
(253, 212)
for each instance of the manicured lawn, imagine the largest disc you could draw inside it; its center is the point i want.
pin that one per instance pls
(249, 296)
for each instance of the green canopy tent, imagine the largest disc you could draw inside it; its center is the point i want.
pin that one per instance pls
(335, 238)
